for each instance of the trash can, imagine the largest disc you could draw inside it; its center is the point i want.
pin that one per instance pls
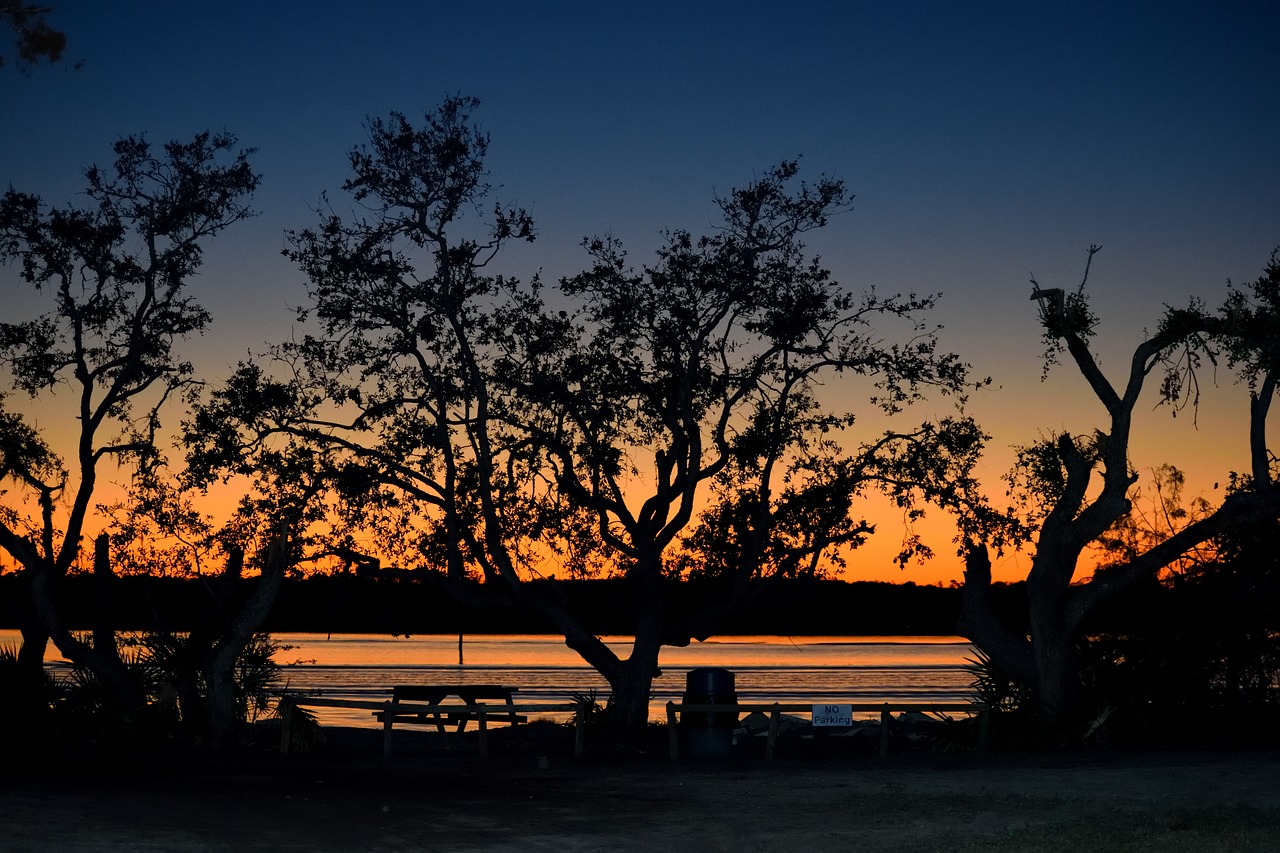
(708, 735)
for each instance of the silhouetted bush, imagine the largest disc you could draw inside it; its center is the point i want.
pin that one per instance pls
(1192, 660)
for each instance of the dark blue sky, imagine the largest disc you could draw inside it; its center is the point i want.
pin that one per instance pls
(983, 142)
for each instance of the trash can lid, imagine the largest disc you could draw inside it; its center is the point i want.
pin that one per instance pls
(707, 679)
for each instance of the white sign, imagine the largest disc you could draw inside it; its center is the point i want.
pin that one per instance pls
(832, 715)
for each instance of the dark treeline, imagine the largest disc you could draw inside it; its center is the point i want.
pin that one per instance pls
(360, 604)
(347, 603)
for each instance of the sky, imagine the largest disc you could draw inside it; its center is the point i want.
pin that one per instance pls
(984, 143)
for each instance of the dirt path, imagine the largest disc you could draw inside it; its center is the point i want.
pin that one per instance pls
(455, 802)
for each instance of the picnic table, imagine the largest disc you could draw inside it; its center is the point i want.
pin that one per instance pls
(423, 703)
(470, 695)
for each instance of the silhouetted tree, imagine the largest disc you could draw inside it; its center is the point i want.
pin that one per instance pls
(1175, 656)
(116, 271)
(1156, 514)
(593, 428)
(237, 615)
(701, 377)
(1073, 509)
(1237, 602)
(241, 563)
(35, 39)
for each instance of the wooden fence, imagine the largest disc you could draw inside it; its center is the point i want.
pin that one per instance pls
(439, 714)
(776, 709)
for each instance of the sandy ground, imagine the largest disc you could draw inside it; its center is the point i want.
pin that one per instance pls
(536, 796)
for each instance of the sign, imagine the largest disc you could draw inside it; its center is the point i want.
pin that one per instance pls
(832, 715)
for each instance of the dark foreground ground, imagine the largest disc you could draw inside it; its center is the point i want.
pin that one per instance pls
(533, 795)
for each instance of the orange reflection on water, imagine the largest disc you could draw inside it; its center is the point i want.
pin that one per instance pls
(541, 650)
(549, 650)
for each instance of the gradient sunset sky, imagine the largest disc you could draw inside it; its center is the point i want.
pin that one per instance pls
(984, 142)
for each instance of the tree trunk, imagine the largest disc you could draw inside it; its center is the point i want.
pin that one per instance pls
(27, 706)
(224, 708)
(980, 623)
(105, 665)
(630, 679)
(104, 632)
(35, 642)
(224, 715)
(632, 684)
(1047, 662)
(189, 654)
(1057, 684)
(1053, 632)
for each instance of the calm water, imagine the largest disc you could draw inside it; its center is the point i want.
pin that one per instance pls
(766, 669)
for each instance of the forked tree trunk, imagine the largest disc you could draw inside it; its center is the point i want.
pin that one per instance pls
(632, 684)
(104, 663)
(630, 679)
(1045, 661)
(226, 713)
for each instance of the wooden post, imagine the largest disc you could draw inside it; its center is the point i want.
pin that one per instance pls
(388, 719)
(285, 709)
(885, 718)
(580, 730)
(482, 719)
(673, 736)
(775, 717)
